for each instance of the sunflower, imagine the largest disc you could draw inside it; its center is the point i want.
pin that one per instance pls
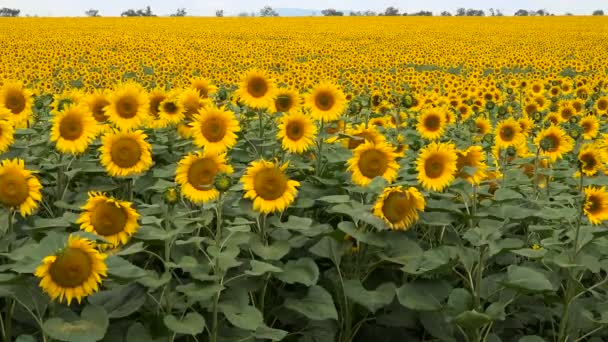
(437, 165)
(399, 207)
(256, 90)
(297, 132)
(361, 134)
(191, 103)
(125, 153)
(553, 142)
(508, 133)
(286, 101)
(474, 159)
(215, 129)
(601, 105)
(526, 125)
(155, 98)
(566, 111)
(171, 109)
(112, 219)
(596, 204)
(326, 102)
(19, 188)
(483, 125)
(268, 186)
(128, 108)
(196, 172)
(73, 272)
(17, 102)
(591, 126)
(371, 160)
(7, 135)
(431, 124)
(203, 87)
(73, 129)
(65, 99)
(590, 159)
(97, 102)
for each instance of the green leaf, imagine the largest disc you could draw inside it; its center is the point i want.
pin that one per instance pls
(423, 295)
(138, 333)
(275, 251)
(245, 317)
(530, 253)
(120, 301)
(372, 300)
(460, 300)
(328, 248)
(119, 267)
(527, 279)
(132, 249)
(531, 338)
(370, 238)
(259, 268)
(504, 194)
(317, 305)
(25, 338)
(91, 326)
(472, 319)
(335, 199)
(303, 271)
(199, 292)
(191, 324)
(264, 332)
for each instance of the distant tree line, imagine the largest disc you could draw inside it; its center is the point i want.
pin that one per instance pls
(9, 12)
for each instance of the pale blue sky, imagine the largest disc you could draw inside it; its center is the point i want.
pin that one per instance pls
(208, 7)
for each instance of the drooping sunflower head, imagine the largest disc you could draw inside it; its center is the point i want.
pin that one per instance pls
(286, 101)
(196, 174)
(73, 272)
(191, 102)
(483, 125)
(591, 159)
(112, 219)
(296, 132)
(7, 135)
(125, 153)
(399, 207)
(431, 124)
(436, 165)
(553, 142)
(68, 97)
(267, 184)
(97, 102)
(16, 101)
(203, 87)
(73, 129)
(591, 126)
(372, 160)
(508, 133)
(257, 90)
(596, 204)
(215, 129)
(471, 164)
(361, 134)
(19, 188)
(171, 109)
(326, 102)
(128, 108)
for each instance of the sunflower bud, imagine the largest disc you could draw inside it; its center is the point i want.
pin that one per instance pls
(489, 105)
(488, 138)
(511, 152)
(594, 97)
(574, 119)
(502, 110)
(509, 91)
(415, 145)
(222, 182)
(407, 101)
(171, 196)
(575, 132)
(537, 116)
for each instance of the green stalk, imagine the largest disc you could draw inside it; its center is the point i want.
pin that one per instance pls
(320, 149)
(218, 241)
(261, 147)
(167, 256)
(8, 324)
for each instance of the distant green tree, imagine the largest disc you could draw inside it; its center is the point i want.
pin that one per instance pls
(267, 11)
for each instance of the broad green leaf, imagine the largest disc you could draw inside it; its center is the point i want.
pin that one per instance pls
(199, 292)
(423, 295)
(119, 267)
(274, 251)
(264, 332)
(120, 301)
(460, 300)
(527, 279)
(370, 299)
(335, 199)
(328, 248)
(91, 326)
(303, 271)
(191, 324)
(472, 319)
(531, 338)
(259, 268)
(317, 305)
(245, 317)
(504, 194)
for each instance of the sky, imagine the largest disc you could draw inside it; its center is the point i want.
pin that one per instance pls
(208, 7)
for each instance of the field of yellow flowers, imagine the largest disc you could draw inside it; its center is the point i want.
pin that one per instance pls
(309, 179)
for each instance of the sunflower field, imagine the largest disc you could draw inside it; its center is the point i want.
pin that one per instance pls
(304, 179)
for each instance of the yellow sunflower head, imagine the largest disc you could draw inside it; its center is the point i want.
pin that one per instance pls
(508, 133)
(601, 105)
(431, 124)
(553, 142)
(196, 173)
(471, 164)
(267, 185)
(590, 159)
(286, 101)
(19, 188)
(128, 108)
(73, 129)
(373, 160)
(171, 109)
(483, 125)
(155, 98)
(125, 153)
(112, 219)
(7, 135)
(361, 134)
(591, 126)
(215, 129)
(596, 204)
(526, 125)
(326, 102)
(436, 165)
(73, 272)
(97, 102)
(203, 87)
(399, 207)
(296, 132)
(17, 102)
(191, 102)
(257, 90)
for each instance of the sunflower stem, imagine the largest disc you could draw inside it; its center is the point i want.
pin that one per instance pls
(261, 145)
(535, 180)
(167, 256)
(218, 240)
(320, 150)
(8, 324)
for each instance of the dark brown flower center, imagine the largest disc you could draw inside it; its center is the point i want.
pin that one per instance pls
(14, 189)
(126, 152)
(202, 172)
(294, 130)
(15, 101)
(434, 166)
(396, 206)
(70, 127)
(324, 100)
(373, 163)
(108, 218)
(72, 268)
(126, 107)
(270, 183)
(257, 87)
(213, 129)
